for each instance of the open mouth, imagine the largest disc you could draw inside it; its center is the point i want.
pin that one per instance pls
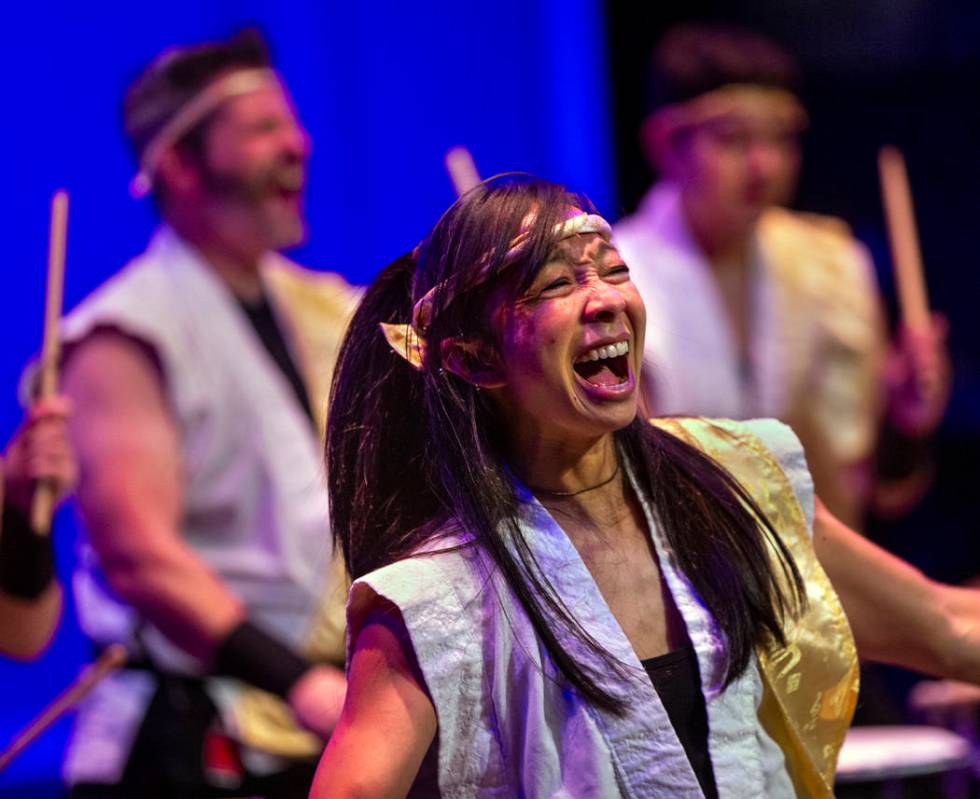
(607, 365)
(287, 184)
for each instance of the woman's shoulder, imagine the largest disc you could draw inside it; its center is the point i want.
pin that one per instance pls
(431, 592)
(774, 435)
(741, 445)
(440, 571)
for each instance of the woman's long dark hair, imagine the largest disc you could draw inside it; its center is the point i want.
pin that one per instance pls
(410, 453)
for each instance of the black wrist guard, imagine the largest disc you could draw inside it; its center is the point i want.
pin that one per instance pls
(253, 656)
(26, 557)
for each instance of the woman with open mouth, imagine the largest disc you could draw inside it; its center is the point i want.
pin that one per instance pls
(554, 596)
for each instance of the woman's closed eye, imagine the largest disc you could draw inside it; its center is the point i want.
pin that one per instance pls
(557, 283)
(553, 280)
(560, 280)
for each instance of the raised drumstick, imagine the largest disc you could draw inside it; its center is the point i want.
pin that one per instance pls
(903, 238)
(110, 660)
(462, 169)
(42, 505)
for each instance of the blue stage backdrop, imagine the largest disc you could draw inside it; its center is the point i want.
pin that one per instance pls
(383, 88)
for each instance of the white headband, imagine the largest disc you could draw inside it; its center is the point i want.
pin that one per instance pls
(768, 102)
(408, 339)
(242, 81)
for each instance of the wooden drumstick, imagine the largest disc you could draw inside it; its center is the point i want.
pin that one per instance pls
(903, 238)
(110, 660)
(42, 505)
(462, 169)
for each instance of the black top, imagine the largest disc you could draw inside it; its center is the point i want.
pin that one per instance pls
(267, 329)
(677, 681)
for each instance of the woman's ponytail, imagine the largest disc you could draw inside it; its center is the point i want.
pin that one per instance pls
(377, 476)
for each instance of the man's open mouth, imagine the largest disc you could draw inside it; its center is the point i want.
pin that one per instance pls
(287, 184)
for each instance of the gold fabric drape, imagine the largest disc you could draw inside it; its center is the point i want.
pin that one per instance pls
(811, 684)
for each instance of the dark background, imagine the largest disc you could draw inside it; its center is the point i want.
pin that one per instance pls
(898, 72)
(883, 72)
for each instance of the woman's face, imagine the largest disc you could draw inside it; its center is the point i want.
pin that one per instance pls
(572, 345)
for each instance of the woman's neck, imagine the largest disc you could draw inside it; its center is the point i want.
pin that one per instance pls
(597, 513)
(583, 481)
(558, 463)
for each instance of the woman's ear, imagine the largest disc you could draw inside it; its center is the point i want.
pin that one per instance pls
(474, 361)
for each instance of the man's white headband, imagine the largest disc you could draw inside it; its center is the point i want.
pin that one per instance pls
(775, 105)
(242, 81)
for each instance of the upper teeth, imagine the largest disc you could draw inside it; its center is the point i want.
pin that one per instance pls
(606, 351)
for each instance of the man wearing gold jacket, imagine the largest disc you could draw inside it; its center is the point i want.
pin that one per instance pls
(754, 310)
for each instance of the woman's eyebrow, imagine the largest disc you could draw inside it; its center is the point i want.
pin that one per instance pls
(606, 248)
(601, 255)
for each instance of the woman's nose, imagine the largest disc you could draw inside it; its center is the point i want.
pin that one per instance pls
(605, 300)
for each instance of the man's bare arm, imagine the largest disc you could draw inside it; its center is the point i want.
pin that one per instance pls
(131, 497)
(130, 492)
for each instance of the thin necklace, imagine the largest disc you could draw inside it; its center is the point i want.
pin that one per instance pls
(551, 493)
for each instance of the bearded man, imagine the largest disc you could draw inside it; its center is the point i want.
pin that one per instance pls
(199, 376)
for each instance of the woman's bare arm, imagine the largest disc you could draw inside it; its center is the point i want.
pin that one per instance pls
(388, 721)
(897, 614)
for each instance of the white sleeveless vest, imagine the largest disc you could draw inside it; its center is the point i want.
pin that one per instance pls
(509, 725)
(255, 501)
